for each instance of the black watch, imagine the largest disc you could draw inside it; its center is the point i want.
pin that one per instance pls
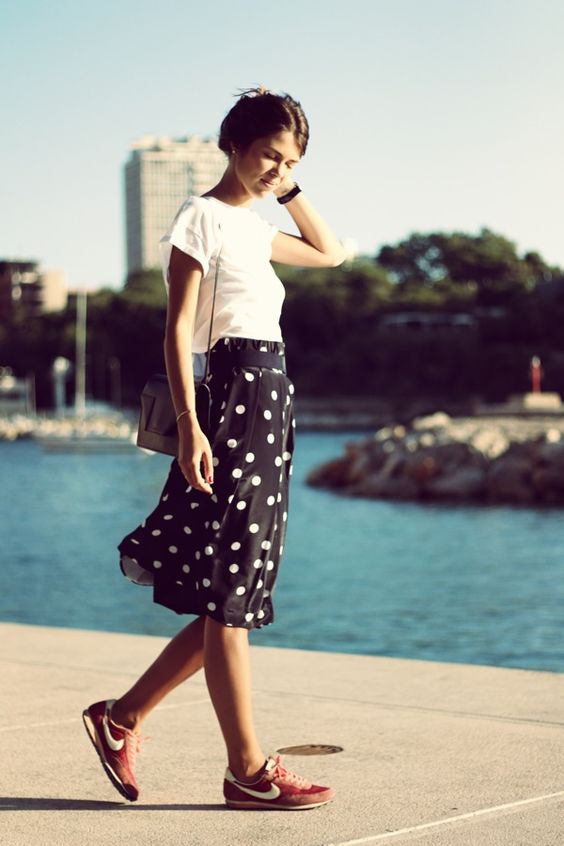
(285, 198)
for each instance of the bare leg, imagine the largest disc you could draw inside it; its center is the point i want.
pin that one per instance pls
(181, 658)
(227, 667)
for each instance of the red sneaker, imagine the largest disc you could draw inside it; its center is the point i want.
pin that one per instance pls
(116, 746)
(275, 788)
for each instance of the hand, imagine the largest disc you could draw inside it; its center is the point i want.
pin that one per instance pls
(286, 185)
(193, 450)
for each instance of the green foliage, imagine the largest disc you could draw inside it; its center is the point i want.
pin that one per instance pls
(331, 323)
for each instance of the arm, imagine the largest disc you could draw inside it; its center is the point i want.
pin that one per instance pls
(185, 274)
(317, 246)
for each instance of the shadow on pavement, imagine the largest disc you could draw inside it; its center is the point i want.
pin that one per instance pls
(31, 803)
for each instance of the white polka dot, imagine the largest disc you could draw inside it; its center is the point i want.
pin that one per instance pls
(211, 606)
(188, 489)
(165, 497)
(206, 582)
(194, 504)
(135, 561)
(167, 517)
(240, 409)
(173, 549)
(208, 550)
(232, 442)
(284, 516)
(178, 582)
(281, 549)
(156, 532)
(198, 554)
(250, 377)
(134, 541)
(241, 505)
(157, 564)
(230, 497)
(270, 438)
(260, 615)
(143, 524)
(271, 500)
(256, 480)
(250, 456)
(274, 395)
(214, 497)
(293, 423)
(237, 473)
(188, 530)
(267, 414)
(215, 461)
(259, 584)
(278, 461)
(286, 455)
(233, 568)
(222, 418)
(266, 544)
(215, 524)
(249, 616)
(263, 349)
(279, 497)
(206, 524)
(186, 568)
(254, 527)
(257, 564)
(223, 404)
(235, 545)
(287, 400)
(270, 565)
(241, 590)
(291, 389)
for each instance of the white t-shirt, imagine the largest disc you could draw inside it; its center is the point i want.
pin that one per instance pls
(249, 294)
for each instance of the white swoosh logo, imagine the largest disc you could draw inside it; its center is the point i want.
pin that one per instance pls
(273, 793)
(114, 744)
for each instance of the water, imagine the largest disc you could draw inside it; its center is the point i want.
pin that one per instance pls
(446, 583)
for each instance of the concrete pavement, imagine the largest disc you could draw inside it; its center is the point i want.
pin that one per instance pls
(435, 754)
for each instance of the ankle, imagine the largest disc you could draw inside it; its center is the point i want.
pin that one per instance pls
(249, 769)
(125, 719)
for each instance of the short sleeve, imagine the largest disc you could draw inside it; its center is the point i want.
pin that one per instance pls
(193, 231)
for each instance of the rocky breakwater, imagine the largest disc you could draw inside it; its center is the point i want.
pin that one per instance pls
(439, 458)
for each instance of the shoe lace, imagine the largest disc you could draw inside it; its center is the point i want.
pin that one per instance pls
(279, 771)
(133, 742)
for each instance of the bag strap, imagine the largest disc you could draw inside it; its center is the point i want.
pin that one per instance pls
(206, 374)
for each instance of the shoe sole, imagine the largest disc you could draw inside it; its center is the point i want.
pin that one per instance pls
(270, 806)
(91, 732)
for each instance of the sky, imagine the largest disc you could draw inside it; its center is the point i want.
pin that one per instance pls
(425, 115)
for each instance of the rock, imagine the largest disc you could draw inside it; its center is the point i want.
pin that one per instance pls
(439, 420)
(463, 483)
(508, 479)
(332, 474)
(548, 481)
(386, 487)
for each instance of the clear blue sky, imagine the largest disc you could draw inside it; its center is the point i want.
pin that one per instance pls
(424, 114)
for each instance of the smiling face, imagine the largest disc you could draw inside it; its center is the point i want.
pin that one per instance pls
(266, 162)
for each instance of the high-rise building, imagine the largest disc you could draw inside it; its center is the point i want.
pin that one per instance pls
(26, 289)
(159, 174)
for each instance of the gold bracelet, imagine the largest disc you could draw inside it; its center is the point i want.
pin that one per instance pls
(187, 411)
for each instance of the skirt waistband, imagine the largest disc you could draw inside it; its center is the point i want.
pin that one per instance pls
(250, 352)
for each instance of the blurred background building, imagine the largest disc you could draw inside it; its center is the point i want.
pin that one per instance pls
(160, 173)
(26, 289)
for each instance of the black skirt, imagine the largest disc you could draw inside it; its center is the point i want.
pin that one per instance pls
(219, 555)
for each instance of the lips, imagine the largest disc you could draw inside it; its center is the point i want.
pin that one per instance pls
(268, 184)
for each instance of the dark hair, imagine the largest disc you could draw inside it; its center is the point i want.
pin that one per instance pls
(259, 113)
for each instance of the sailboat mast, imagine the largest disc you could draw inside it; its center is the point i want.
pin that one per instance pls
(80, 355)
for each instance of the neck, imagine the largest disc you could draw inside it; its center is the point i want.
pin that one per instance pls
(230, 190)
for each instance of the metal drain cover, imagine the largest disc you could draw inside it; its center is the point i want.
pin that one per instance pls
(310, 749)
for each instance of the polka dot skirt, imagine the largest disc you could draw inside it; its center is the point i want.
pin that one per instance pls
(219, 555)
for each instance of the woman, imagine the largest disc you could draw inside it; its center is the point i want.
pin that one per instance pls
(213, 544)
